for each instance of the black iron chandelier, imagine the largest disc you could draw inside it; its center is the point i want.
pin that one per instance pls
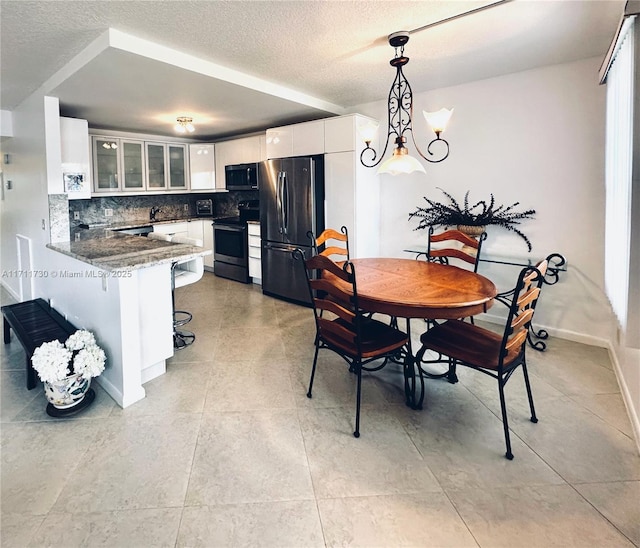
(400, 112)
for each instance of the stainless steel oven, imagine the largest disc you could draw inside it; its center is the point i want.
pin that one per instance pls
(230, 255)
(230, 242)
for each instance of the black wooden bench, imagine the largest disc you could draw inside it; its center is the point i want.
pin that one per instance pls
(34, 322)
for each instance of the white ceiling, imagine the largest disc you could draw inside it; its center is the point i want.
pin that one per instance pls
(258, 64)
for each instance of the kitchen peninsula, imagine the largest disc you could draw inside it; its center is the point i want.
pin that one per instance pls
(119, 286)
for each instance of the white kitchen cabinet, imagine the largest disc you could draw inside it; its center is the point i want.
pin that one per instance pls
(166, 166)
(202, 167)
(302, 139)
(342, 133)
(352, 199)
(207, 238)
(173, 229)
(132, 165)
(76, 157)
(106, 164)
(255, 252)
(279, 142)
(238, 151)
(308, 138)
(195, 229)
(199, 229)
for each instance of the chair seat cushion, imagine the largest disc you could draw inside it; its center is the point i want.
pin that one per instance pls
(466, 342)
(377, 338)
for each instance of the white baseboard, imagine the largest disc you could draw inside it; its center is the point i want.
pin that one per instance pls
(10, 291)
(554, 332)
(626, 396)
(591, 341)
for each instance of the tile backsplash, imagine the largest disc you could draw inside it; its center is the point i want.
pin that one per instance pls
(137, 208)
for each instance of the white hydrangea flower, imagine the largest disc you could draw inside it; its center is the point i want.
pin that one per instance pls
(54, 361)
(89, 361)
(51, 361)
(80, 339)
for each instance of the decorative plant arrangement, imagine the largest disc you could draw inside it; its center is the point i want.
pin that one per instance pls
(67, 369)
(479, 214)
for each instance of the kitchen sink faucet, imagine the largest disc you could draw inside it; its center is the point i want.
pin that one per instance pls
(153, 212)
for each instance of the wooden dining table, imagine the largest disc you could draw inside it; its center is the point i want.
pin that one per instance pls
(406, 288)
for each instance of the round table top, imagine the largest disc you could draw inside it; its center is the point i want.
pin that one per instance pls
(407, 288)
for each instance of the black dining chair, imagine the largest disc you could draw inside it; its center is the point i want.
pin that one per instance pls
(496, 355)
(340, 324)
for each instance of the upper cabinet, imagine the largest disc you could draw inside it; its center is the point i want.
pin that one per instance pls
(134, 165)
(75, 151)
(133, 168)
(202, 167)
(342, 133)
(302, 139)
(166, 166)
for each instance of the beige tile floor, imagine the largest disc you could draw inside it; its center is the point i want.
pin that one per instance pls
(226, 450)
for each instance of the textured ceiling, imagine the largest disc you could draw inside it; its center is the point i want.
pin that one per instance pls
(334, 51)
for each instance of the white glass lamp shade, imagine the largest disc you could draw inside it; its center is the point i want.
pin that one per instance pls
(438, 120)
(400, 163)
(368, 130)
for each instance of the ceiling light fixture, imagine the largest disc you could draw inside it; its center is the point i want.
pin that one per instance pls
(400, 111)
(109, 144)
(184, 124)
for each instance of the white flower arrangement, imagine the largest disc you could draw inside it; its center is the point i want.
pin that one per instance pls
(80, 354)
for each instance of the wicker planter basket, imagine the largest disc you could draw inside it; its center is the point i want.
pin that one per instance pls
(473, 231)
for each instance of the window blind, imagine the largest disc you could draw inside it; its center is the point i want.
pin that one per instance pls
(618, 171)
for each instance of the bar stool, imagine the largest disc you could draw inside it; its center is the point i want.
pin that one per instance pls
(184, 273)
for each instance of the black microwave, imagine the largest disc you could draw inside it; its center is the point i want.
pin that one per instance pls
(241, 177)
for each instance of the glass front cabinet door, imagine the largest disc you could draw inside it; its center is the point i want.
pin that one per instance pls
(166, 166)
(133, 175)
(106, 166)
(177, 166)
(156, 168)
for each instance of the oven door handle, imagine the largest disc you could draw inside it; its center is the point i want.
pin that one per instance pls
(229, 228)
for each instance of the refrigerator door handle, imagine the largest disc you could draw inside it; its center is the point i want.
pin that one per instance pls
(279, 202)
(281, 248)
(285, 203)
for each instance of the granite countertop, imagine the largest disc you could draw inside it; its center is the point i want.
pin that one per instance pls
(111, 250)
(145, 222)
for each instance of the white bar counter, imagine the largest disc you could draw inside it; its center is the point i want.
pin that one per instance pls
(119, 287)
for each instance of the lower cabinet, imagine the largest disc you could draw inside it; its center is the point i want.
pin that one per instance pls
(173, 229)
(207, 238)
(255, 253)
(196, 228)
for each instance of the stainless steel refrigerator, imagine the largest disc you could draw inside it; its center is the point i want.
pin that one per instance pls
(291, 205)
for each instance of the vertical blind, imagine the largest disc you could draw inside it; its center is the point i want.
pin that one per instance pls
(618, 169)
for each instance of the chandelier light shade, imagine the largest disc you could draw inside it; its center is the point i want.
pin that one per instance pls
(184, 124)
(400, 125)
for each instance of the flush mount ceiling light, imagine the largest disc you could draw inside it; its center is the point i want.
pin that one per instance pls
(400, 112)
(184, 124)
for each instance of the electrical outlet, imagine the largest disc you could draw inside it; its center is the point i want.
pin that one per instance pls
(186, 207)
(76, 215)
(108, 212)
